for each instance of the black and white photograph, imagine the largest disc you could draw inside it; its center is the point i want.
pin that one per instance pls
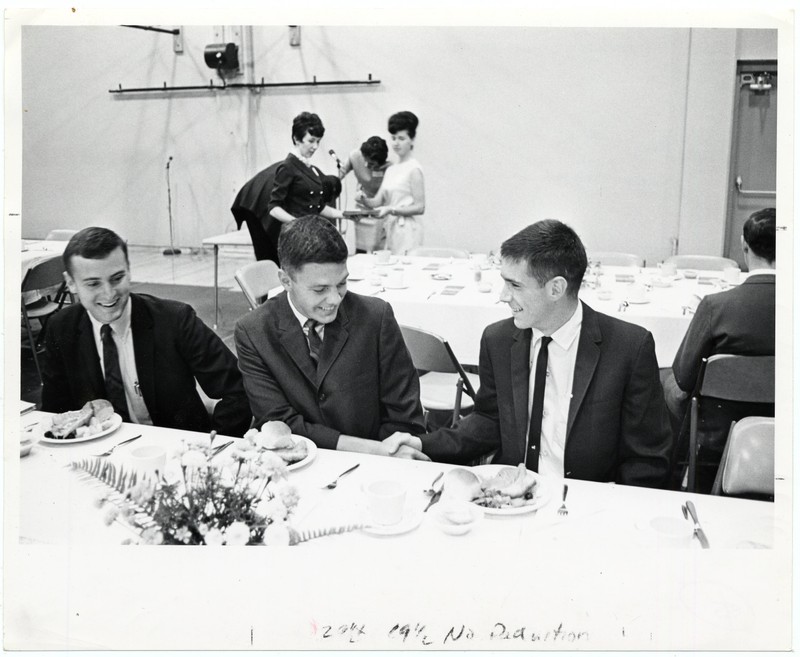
(452, 328)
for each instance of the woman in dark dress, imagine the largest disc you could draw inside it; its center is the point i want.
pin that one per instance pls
(300, 188)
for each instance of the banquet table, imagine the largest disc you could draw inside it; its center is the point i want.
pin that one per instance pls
(422, 299)
(236, 238)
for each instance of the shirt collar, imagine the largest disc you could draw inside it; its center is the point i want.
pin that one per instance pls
(759, 272)
(120, 326)
(300, 316)
(565, 335)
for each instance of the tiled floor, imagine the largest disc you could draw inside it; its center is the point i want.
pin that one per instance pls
(191, 267)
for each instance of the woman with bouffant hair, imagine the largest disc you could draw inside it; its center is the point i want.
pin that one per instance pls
(299, 188)
(401, 198)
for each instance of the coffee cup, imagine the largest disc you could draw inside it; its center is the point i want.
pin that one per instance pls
(670, 531)
(395, 278)
(668, 269)
(385, 501)
(148, 459)
(383, 256)
(731, 275)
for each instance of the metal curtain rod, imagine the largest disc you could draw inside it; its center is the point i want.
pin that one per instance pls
(152, 29)
(243, 85)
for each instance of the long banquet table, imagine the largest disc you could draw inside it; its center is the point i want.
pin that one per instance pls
(602, 574)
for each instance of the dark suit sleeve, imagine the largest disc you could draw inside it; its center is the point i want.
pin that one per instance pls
(479, 432)
(267, 398)
(696, 345)
(281, 188)
(56, 397)
(214, 366)
(401, 409)
(645, 441)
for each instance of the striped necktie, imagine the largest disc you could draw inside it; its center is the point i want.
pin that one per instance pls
(314, 341)
(115, 390)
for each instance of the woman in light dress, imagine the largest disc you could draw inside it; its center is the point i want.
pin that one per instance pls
(401, 198)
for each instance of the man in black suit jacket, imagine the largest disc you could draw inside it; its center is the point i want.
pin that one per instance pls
(332, 365)
(162, 349)
(602, 414)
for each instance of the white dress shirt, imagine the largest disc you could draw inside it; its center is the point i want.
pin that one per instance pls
(758, 272)
(319, 328)
(123, 338)
(561, 356)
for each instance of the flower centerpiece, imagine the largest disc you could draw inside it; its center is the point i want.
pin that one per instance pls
(241, 497)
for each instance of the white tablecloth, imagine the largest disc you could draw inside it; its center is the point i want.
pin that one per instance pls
(460, 318)
(600, 576)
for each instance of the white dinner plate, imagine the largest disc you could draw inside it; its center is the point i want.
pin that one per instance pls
(312, 453)
(115, 424)
(395, 287)
(544, 491)
(391, 261)
(640, 302)
(355, 277)
(411, 520)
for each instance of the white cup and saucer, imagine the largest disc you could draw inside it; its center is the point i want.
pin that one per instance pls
(387, 510)
(637, 294)
(395, 279)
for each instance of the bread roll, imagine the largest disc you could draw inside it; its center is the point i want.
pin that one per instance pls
(276, 435)
(102, 409)
(460, 484)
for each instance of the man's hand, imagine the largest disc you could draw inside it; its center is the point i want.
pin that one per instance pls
(404, 445)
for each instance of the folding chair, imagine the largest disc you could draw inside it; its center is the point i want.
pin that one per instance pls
(256, 280)
(433, 355)
(43, 277)
(728, 388)
(702, 262)
(615, 259)
(747, 467)
(61, 234)
(438, 252)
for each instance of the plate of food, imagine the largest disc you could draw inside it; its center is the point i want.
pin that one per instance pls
(500, 490)
(95, 420)
(276, 437)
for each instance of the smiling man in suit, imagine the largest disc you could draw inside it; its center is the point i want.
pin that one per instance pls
(143, 354)
(567, 390)
(331, 364)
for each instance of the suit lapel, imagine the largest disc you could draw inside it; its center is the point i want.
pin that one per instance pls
(87, 348)
(294, 340)
(520, 378)
(585, 362)
(336, 335)
(307, 171)
(144, 352)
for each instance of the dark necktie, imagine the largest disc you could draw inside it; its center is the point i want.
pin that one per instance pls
(115, 390)
(535, 428)
(314, 341)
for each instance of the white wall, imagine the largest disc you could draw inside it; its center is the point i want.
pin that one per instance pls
(516, 124)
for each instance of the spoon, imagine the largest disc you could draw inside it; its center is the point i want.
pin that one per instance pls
(335, 482)
(431, 490)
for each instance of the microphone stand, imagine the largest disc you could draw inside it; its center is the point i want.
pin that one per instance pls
(171, 250)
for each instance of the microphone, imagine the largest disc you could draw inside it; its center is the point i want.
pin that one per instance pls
(332, 153)
(168, 161)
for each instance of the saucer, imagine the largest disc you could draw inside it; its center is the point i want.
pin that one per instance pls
(391, 261)
(638, 302)
(395, 287)
(411, 520)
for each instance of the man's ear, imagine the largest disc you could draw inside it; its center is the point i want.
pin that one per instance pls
(70, 283)
(558, 287)
(284, 278)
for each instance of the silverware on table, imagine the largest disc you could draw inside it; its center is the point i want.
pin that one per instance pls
(689, 510)
(431, 490)
(221, 447)
(376, 292)
(434, 499)
(563, 510)
(335, 482)
(124, 442)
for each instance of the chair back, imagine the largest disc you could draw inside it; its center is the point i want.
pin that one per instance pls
(256, 280)
(748, 463)
(433, 353)
(739, 378)
(438, 252)
(702, 262)
(47, 273)
(616, 259)
(61, 235)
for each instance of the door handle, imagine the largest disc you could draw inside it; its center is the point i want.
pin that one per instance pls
(751, 192)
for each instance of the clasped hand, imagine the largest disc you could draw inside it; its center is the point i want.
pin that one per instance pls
(405, 446)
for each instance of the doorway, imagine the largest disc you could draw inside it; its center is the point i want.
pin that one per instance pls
(754, 148)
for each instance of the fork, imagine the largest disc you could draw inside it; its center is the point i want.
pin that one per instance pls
(431, 490)
(216, 450)
(335, 482)
(563, 510)
(110, 451)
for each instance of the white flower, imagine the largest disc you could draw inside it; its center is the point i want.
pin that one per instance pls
(214, 537)
(273, 509)
(226, 478)
(238, 533)
(152, 536)
(110, 514)
(183, 535)
(251, 435)
(273, 464)
(194, 459)
(277, 533)
(288, 494)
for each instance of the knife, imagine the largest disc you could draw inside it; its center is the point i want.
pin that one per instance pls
(698, 530)
(434, 499)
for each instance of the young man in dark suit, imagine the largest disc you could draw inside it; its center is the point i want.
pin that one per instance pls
(331, 364)
(144, 354)
(566, 390)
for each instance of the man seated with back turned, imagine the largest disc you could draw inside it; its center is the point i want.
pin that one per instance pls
(566, 390)
(331, 365)
(143, 354)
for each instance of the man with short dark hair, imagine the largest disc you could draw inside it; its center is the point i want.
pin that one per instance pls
(566, 390)
(739, 321)
(332, 365)
(144, 354)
